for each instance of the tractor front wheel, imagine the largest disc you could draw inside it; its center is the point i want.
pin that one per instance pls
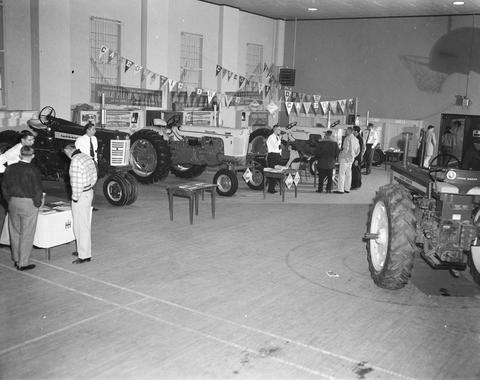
(256, 183)
(117, 190)
(226, 181)
(391, 237)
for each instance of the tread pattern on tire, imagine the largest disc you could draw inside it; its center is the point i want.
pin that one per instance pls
(164, 156)
(233, 179)
(125, 189)
(402, 231)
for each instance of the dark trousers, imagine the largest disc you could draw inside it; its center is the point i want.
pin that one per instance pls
(322, 174)
(3, 206)
(272, 160)
(368, 158)
(356, 175)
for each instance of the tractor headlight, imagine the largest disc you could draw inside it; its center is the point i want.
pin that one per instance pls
(451, 175)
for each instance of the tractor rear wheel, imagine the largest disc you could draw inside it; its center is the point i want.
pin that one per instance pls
(187, 170)
(391, 244)
(116, 190)
(227, 182)
(132, 182)
(151, 156)
(258, 141)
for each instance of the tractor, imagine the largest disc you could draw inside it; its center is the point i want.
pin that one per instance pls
(186, 151)
(434, 211)
(52, 134)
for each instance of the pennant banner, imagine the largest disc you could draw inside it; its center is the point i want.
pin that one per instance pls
(171, 84)
(217, 70)
(333, 106)
(298, 107)
(342, 103)
(306, 106)
(289, 106)
(128, 64)
(240, 81)
(324, 106)
(316, 98)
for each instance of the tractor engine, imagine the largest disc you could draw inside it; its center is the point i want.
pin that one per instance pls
(205, 150)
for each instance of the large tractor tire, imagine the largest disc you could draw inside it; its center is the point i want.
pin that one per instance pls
(117, 190)
(151, 156)
(257, 181)
(312, 164)
(258, 141)
(187, 170)
(227, 182)
(391, 245)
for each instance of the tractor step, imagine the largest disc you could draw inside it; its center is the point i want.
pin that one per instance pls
(435, 263)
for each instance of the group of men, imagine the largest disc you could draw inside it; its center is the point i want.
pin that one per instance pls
(356, 147)
(22, 194)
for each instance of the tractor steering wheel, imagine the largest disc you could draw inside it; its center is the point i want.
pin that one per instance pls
(440, 164)
(46, 114)
(291, 125)
(174, 120)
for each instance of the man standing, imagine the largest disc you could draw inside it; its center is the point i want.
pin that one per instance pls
(88, 143)
(430, 143)
(371, 141)
(356, 170)
(350, 150)
(83, 175)
(22, 189)
(274, 157)
(447, 144)
(9, 157)
(326, 153)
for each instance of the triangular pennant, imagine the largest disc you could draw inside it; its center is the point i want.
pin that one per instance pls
(210, 95)
(199, 91)
(333, 106)
(103, 51)
(298, 107)
(316, 106)
(316, 98)
(306, 106)
(153, 76)
(224, 71)
(171, 84)
(180, 86)
(324, 106)
(144, 74)
(267, 89)
(342, 103)
(229, 75)
(260, 87)
(240, 81)
(128, 64)
(238, 99)
(217, 70)
(111, 55)
(288, 95)
(289, 106)
(163, 81)
(138, 68)
(228, 100)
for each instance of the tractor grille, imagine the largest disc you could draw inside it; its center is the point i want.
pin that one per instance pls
(119, 152)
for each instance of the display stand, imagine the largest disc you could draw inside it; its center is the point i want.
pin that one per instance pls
(54, 227)
(281, 175)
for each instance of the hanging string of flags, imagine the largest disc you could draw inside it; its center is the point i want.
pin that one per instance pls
(247, 88)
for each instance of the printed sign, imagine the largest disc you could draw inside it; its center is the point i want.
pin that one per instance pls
(126, 95)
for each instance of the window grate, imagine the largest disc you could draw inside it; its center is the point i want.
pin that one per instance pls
(254, 62)
(107, 33)
(191, 52)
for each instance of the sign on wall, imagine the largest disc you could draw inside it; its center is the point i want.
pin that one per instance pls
(126, 95)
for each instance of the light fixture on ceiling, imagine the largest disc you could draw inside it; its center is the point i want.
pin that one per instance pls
(312, 9)
(459, 3)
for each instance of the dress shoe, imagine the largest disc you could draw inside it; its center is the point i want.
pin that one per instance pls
(75, 253)
(329, 191)
(273, 192)
(347, 192)
(80, 261)
(319, 191)
(338, 192)
(26, 267)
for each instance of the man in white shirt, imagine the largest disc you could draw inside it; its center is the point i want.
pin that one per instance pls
(88, 143)
(371, 141)
(12, 156)
(350, 150)
(274, 150)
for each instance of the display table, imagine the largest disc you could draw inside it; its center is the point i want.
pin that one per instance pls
(54, 227)
(192, 192)
(281, 175)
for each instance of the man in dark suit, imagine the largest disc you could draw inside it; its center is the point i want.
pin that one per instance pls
(326, 153)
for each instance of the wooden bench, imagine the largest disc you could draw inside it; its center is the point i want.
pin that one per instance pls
(192, 192)
(281, 175)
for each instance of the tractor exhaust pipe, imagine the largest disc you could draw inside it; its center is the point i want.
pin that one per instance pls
(406, 139)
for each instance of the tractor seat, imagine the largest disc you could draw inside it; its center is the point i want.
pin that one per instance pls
(36, 124)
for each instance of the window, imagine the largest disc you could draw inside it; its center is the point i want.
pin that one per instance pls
(191, 52)
(103, 70)
(254, 62)
(2, 59)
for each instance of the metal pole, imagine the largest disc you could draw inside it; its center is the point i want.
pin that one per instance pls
(356, 110)
(103, 112)
(367, 117)
(328, 119)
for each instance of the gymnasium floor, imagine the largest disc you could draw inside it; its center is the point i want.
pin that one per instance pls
(266, 290)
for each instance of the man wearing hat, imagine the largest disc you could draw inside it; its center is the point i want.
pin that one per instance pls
(371, 141)
(326, 153)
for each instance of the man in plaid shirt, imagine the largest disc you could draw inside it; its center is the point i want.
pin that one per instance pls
(83, 175)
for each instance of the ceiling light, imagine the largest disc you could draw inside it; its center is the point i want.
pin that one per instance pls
(313, 9)
(459, 3)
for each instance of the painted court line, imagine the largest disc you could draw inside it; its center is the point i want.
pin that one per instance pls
(240, 325)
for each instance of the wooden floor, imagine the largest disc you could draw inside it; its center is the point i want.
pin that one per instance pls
(266, 290)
